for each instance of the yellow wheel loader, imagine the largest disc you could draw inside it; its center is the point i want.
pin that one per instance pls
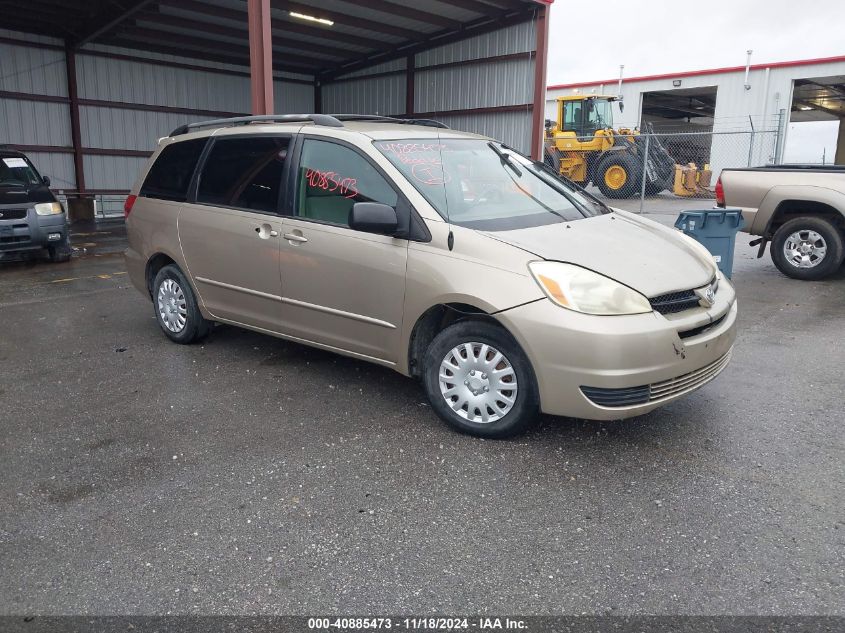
(583, 146)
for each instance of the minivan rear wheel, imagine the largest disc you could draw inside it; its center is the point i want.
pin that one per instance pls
(479, 381)
(176, 308)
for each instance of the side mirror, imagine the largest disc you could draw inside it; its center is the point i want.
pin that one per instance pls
(621, 107)
(374, 217)
(45, 180)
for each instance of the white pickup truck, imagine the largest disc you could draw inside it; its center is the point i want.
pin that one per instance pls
(800, 209)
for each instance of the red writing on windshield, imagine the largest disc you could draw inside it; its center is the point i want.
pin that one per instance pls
(332, 182)
(414, 153)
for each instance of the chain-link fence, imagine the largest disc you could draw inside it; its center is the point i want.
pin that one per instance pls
(662, 167)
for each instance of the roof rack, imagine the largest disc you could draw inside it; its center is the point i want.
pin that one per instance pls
(317, 119)
(391, 119)
(329, 120)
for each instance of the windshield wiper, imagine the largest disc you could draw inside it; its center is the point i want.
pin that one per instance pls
(505, 158)
(572, 184)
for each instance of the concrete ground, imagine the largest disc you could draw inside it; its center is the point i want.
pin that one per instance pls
(252, 475)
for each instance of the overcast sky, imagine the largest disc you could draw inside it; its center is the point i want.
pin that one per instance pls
(590, 39)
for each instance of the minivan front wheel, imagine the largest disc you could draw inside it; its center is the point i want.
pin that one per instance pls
(479, 380)
(176, 307)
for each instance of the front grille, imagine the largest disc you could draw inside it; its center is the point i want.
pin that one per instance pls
(14, 239)
(675, 302)
(12, 214)
(655, 392)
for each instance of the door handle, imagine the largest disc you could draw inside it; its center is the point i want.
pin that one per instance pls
(295, 237)
(265, 231)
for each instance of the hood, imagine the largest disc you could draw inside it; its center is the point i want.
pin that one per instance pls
(19, 196)
(639, 253)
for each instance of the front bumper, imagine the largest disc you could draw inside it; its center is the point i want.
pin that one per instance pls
(629, 365)
(32, 232)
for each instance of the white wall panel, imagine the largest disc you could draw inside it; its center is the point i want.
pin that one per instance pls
(33, 70)
(138, 82)
(512, 128)
(292, 98)
(59, 167)
(111, 172)
(379, 95)
(519, 38)
(384, 67)
(118, 128)
(499, 83)
(34, 122)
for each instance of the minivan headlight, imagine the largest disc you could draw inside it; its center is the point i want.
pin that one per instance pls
(585, 291)
(49, 208)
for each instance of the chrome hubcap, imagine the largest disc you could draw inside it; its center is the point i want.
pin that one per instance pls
(171, 306)
(804, 249)
(478, 382)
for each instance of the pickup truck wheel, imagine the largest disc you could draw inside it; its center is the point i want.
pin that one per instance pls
(807, 248)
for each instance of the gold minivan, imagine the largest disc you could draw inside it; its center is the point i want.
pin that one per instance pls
(444, 255)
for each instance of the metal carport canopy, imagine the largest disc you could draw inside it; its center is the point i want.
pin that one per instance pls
(335, 37)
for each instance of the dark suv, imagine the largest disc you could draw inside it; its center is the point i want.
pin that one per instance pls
(31, 218)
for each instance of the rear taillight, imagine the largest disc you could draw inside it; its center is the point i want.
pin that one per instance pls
(127, 206)
(720, 193)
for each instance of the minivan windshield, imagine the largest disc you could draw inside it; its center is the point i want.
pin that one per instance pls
(485, 185)
(17, 172)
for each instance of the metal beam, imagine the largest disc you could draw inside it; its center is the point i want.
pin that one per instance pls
(260, 57)
(815, 106)
(538, 112)
(479, 7)
(156, 47)
(346, 19)
(404, 11)
(425, 41)
(832, 87)
(216, 46)
(73, 108)
(124, 12)
(233, 32)
(201, 9)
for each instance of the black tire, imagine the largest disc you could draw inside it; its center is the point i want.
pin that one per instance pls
(524, 410)
(59, 253)
(827, 265)
(632, 167)
(195, 326)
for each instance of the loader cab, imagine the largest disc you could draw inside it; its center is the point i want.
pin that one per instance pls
(585, 115)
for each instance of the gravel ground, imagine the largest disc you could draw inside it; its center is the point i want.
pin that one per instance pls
(251, 475)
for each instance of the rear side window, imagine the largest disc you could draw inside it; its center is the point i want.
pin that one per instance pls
(244, 172)
(170, 176)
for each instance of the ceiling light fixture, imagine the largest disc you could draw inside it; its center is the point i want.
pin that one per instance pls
(310, 18)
